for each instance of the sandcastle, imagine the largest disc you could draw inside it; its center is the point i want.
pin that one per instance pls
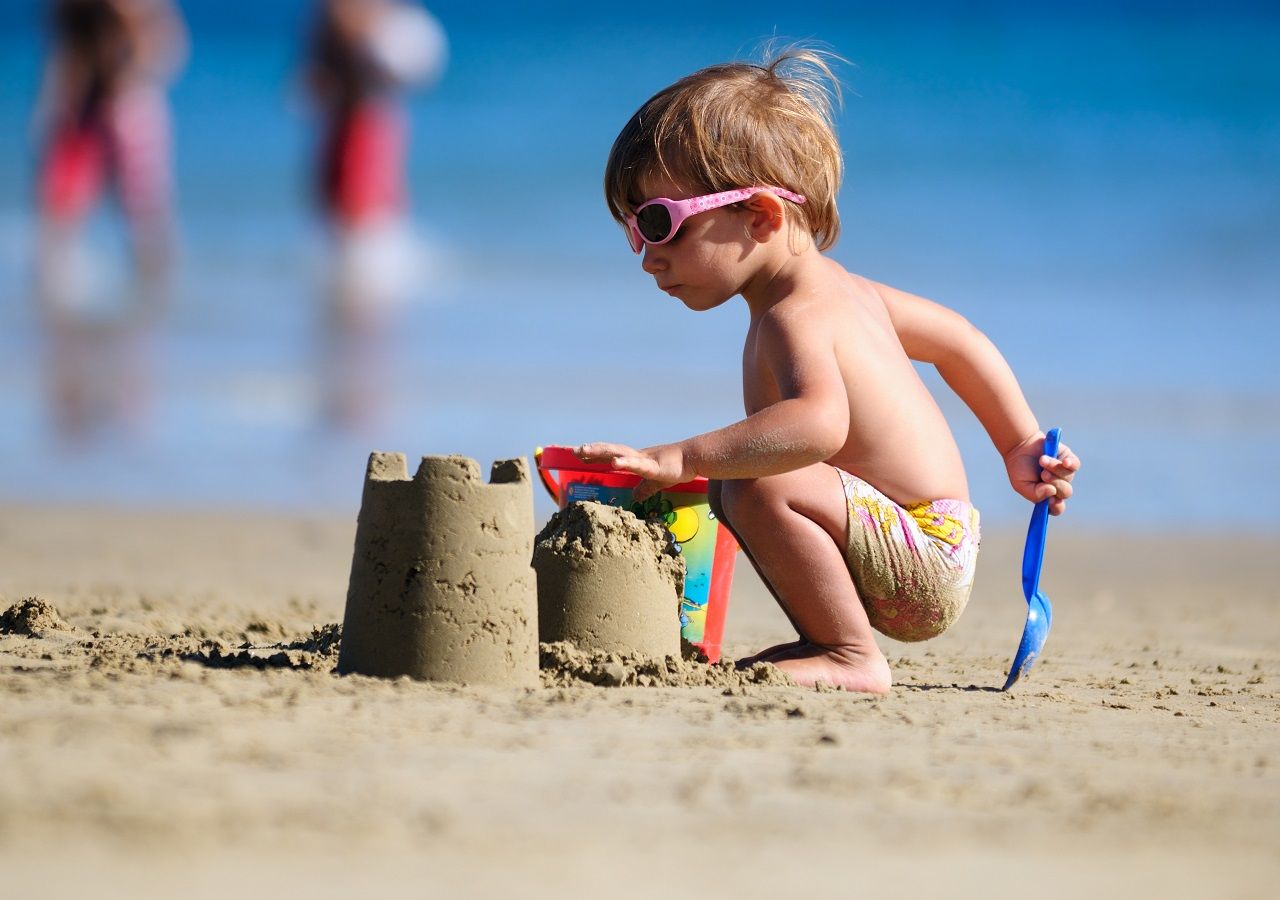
(441, 585)
(608, 581)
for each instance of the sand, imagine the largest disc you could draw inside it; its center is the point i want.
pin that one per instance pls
(608, 581)
(187, 734)
(564, 664)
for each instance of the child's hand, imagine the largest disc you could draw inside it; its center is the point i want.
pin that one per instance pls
(659, 467)
(1038, 477)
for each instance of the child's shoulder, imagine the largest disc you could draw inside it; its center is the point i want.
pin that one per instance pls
(837, 305)
(830, 279)
(830, 289)
(823, 302)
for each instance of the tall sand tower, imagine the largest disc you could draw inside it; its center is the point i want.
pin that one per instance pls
(441, 583)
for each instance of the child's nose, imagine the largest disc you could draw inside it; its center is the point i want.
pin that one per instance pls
(653, 260)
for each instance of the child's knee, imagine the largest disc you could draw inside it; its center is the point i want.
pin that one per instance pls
(745, 498)
(723, 496)
(714, 499)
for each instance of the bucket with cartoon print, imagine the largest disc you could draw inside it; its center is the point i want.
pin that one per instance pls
(708, 550)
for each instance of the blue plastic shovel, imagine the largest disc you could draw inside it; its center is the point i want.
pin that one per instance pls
(1039, 609)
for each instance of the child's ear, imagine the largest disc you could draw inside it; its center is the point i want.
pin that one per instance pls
(767, 216)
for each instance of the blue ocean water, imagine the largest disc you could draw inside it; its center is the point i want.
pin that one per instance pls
(1097, 187)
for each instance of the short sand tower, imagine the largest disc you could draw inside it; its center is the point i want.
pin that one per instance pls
(608, 581)
(441, 587)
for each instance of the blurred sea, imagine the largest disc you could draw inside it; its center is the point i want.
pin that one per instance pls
(1097, 186)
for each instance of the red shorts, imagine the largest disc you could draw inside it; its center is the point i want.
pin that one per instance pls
(362, 163)
(124, 143)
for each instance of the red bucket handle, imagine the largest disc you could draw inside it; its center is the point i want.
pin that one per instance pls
(544, 475)
(563, 458)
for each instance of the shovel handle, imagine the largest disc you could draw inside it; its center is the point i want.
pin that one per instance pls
(1033, 553)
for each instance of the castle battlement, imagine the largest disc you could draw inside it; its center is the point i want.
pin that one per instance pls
(384, 467)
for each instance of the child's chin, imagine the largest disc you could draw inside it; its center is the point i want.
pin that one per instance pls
(698, 301)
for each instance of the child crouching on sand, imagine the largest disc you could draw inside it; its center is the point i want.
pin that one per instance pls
(843, 484)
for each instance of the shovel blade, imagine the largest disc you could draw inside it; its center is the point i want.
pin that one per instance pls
(1034, 634)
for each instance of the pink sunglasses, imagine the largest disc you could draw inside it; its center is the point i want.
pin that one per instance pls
(658, 220)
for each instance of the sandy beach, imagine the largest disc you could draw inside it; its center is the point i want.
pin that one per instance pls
(144, 751)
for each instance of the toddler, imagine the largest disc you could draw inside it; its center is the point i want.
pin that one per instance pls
(843, 484)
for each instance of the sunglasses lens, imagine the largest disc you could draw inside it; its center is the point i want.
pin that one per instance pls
(654, 222)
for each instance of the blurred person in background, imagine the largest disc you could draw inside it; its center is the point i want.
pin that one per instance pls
(363, 55)
(102, 122)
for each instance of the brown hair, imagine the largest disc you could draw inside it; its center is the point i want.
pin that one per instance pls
(739, 125)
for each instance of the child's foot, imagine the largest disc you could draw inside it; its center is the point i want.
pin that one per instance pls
(767, 654)
(854, 670)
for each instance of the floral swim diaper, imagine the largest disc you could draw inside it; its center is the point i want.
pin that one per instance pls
(913, 566)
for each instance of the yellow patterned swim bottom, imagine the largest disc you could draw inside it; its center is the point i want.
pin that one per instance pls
(913, 566)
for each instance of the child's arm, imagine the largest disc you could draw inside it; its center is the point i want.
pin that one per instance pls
(809, 424)
(970, 363)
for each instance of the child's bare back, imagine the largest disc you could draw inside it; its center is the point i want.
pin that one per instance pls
(896, 437)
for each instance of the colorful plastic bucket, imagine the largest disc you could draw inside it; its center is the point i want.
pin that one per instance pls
(708, 550)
